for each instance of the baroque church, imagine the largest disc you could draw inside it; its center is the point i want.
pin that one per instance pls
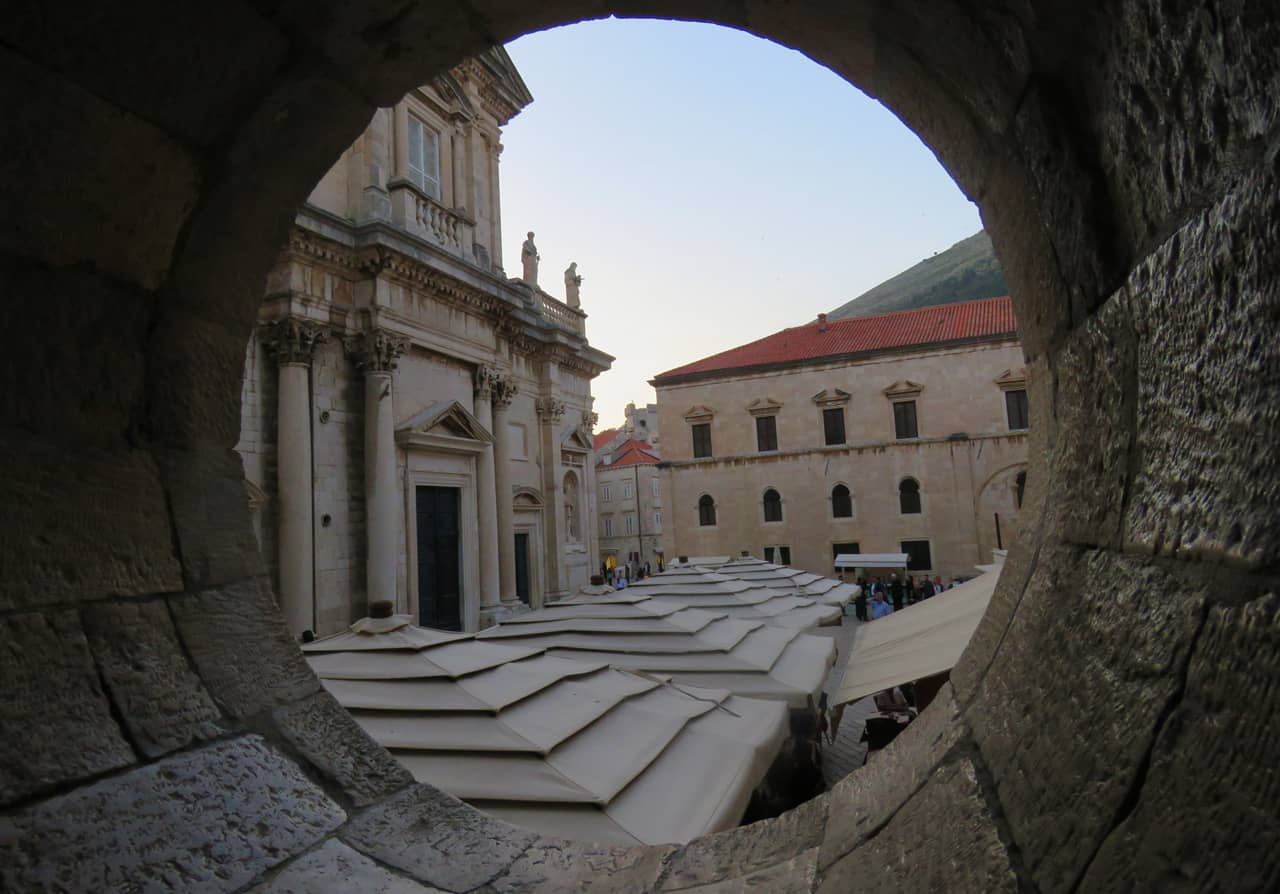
(416, 425)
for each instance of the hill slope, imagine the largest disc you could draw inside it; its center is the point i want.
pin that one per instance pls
(965, 271)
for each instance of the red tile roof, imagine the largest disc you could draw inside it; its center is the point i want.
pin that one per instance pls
(986, 317)
(633, 453)
(602, 438)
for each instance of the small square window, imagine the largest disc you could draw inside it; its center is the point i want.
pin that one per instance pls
(701, 440)
(1015, 403)
(918, 557)
(904, 420)
(766, 433)
(833, 426)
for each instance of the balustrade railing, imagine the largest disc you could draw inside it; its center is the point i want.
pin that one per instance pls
(563, 315)
(446, 228)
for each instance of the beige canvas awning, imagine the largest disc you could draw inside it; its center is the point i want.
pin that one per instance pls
(916, 642)
(805, 584)
(697, 587)
(572, 747)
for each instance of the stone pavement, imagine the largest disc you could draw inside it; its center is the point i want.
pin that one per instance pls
(847, 752)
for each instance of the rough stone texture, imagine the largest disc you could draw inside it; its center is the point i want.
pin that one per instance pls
(81, 524)
(1103, 640)
(210, 510)
(116, 209)
(740, 852)
(794, 876)
(162, 701)
(1205, 818)
(241, 649)
(327, 736)
(1207, 304)
(866, 799)
(437, 839)
(207, 820)
(943, 839)
(335, 867)
(553, 866)
(45, 661)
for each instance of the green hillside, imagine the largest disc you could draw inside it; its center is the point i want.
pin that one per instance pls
(965, 271)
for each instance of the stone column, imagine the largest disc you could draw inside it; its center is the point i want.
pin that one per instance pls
(292, 342)
(550, 412)
(375, 352)
(504, 392)
(487, 499)
(591, 512)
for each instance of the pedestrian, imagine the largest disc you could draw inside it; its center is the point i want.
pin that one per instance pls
(860, 601)
(937, 584)
(926, 588)
(895, 591)
(913, 595)
(880, 608)
(621, 582)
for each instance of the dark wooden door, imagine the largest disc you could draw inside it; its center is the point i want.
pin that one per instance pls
(439, 572)
(522, 567)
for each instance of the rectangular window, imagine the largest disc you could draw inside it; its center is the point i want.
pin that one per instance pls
(653, 487)
(424, 157)
(833, 426)
(843, 549)
(608, 526)
(766, 433)
(918, 558)
(779, 554)
(768, 553)
(1016, 403)
(701, 440)
(626, 490)
(606, 493)
(904, 419)
(657, 522)
(629, 521)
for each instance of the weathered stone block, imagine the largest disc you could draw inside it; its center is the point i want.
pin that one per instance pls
(206, 820)
(57, 722)
(1072, 699)
(1205, 818)
(210, 508)
(943, 839)
(81, 523)
(327, 736)
(745, 850)
(553, 866)
(240, 647)
(162, 701)
(862, 802)
(793, 876)
(1207, 304)
(335, 867)
(437, 839)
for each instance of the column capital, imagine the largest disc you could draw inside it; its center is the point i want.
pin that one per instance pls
(505, 390)
(376, 350)
(550, 409)
(293, 341)
(486, 380)
(589, 420)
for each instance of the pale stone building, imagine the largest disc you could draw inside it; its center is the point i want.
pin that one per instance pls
(416, 426)
(631, 508)
(903, 432)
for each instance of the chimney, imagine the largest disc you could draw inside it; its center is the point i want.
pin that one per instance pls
(822, 323)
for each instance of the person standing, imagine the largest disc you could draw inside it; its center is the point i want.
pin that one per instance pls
(926, 588)
(879, 607)
(860, 601)
(895, 591)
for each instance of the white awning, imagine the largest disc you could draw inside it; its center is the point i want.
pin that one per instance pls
(871, 560)
(925, 639)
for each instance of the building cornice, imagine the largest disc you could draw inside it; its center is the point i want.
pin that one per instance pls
(839, 450)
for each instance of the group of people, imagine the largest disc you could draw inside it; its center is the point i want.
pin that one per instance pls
(878, 597)
(620, 576)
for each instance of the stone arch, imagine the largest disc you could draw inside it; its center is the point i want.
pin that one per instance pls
(910, 496)
(771, 504)
(707, 511)
(998, 495)
(1129, 189)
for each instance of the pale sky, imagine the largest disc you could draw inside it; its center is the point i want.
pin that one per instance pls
(713, 188)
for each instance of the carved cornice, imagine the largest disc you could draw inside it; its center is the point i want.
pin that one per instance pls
(307, 245)
(376, 350)
(293, 341)
(550, 409)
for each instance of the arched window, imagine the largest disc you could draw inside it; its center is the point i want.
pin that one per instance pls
(706, 511)
(772, 506)
(1020, 487)
(909, 496)
(841, 502)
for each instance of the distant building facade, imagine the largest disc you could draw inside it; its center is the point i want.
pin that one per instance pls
(903, 432)
(631, 507)
(417, 426)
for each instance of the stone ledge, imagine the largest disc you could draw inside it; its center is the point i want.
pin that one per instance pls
(335, 867)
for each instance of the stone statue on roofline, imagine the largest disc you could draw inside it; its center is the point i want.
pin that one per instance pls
(529, 257)
(572, 281)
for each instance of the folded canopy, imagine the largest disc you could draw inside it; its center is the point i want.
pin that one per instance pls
(916, 642)
(572, 748)
(871, 560)
(826, 590)
(697, 587)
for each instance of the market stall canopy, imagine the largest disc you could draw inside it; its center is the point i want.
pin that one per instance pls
(698, 587)
(697, 647)
(570, 748)
(827, 590)
(871, 560)
(916, 642)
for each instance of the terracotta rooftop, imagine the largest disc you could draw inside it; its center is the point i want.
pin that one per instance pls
(986, 317)
(633, 453)
(603, 437)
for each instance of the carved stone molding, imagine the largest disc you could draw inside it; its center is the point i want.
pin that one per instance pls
(505, 390)
(292, 340)
(485, 380)
(376, 350)
(589, 420)
(550, 409)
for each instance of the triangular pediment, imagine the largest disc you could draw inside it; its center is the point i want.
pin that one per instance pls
(1013, 378)
(577, 442)
(831, 397)
(699, 413)
(904, 388)
(763, 406)
(447, 420)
